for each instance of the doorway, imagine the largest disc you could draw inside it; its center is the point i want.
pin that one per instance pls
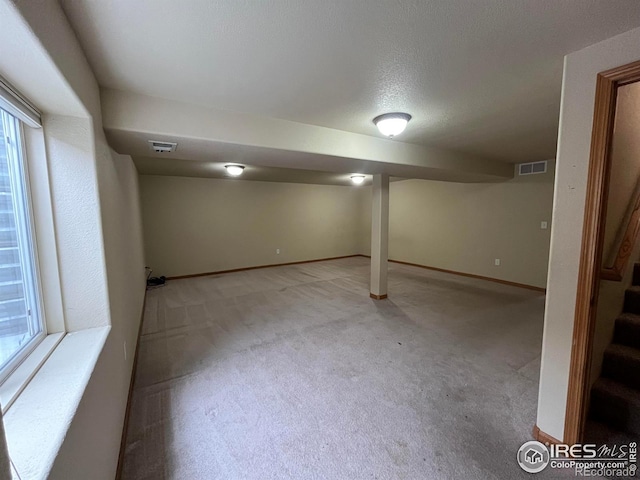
(592, 270)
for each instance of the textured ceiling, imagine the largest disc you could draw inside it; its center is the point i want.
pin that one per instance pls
(481, 77)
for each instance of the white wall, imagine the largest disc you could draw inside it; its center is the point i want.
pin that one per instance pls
(97, 427)
(199, 225)
(72, 174)
(97, 224)
(464, 227)
(92, 444)
(576, 117)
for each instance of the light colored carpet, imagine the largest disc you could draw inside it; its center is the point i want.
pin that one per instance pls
(293, 372)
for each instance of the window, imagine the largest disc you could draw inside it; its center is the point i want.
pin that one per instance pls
(21, 323)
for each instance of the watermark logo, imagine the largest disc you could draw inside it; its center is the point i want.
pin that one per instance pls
(585, 460)
(533, 457)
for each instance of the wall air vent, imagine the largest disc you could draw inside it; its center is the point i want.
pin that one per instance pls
(162, 147)
(532, 168)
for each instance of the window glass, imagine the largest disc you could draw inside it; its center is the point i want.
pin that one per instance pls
(21, 326)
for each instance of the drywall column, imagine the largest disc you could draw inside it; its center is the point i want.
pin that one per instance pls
(379, 236)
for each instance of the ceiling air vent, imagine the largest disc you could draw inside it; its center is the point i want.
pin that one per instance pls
(532, 168)
(162, 147)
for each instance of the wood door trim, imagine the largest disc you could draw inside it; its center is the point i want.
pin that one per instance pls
(378, 297)
(544, 437)
(592, 239)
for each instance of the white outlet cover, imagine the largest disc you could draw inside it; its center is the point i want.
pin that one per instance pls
(497, 262)
(544, 225)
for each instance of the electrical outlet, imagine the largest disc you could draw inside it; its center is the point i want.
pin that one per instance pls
(125, 350)
(497, 262)
(544, 225)
(277, 251)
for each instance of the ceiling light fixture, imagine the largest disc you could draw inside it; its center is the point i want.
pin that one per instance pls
(234, 170)
(392, 124)
(357, 179)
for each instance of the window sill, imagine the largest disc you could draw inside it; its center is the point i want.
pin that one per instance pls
(18, 380)
(38, 421)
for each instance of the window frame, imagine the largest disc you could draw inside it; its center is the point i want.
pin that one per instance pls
(34, 293)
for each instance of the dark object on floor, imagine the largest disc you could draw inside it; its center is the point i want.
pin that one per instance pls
(156, 281)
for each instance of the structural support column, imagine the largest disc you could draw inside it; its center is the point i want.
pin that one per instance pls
(379, 236)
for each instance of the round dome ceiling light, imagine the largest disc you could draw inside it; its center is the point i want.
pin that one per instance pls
(234, 170)
(392, 124)
(357, 179)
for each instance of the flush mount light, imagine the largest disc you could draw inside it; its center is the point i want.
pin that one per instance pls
(392, 124)
(357, 179)
(234, 170)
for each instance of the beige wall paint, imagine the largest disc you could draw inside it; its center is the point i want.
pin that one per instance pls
(578, 94)
(625, 168)
(465, 227)
(198, 225)
(365, 197)
(203, 225)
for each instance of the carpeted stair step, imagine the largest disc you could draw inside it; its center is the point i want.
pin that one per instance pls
(601, 433)
(632, 300)
(616, 405)
(627, 330)
(622, 363)
(636, 274)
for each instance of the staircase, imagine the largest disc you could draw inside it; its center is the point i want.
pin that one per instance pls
(615, 397)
